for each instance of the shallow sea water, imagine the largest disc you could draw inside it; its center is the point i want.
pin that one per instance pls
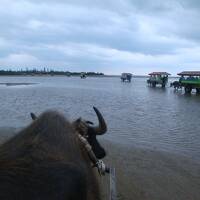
(154, 118)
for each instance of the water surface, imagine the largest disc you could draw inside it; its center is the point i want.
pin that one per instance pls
(136, 114)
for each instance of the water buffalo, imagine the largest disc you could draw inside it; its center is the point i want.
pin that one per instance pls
(176, 85)
(47, 161)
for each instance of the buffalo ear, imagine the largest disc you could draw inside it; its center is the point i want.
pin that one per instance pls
(89, 122)
(33, 116)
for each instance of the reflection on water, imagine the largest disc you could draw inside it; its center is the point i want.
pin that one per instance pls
(136, 114)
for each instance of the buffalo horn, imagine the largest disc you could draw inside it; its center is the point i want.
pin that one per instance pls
(101, 128)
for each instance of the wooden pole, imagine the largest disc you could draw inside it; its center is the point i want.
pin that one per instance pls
(113, 191)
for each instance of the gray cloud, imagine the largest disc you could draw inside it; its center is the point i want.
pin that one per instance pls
(93, 35)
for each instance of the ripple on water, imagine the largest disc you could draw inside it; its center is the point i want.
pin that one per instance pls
(136, 114)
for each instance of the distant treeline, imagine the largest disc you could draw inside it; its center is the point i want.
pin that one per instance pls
(35, 72)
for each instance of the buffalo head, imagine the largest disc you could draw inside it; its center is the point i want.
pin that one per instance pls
(90, 132)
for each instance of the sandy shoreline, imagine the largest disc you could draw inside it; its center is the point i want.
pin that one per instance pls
(146, 174)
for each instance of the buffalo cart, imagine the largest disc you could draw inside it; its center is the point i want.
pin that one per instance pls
(158, 78)
(190, 80)
(126, 77)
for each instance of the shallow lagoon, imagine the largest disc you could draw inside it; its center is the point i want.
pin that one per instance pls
(137, 115)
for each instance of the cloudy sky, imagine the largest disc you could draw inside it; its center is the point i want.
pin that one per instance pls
(110, 36)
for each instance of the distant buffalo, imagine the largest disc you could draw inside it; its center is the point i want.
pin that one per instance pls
(47, 161)
(176, 85)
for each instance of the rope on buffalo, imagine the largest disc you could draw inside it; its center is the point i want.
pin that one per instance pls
(102, 169)
(99, 164)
